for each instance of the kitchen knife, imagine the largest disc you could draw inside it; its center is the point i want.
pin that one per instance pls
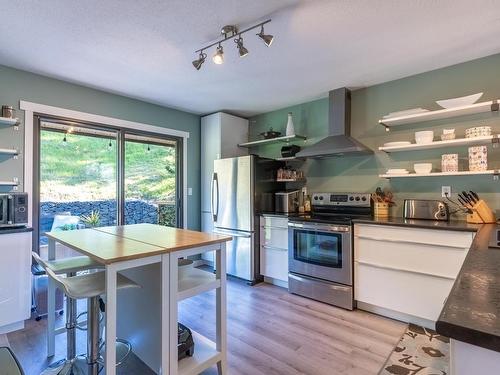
(466, 196)
(463, 198)
(476, 197)
(462, 201)
(471, 198)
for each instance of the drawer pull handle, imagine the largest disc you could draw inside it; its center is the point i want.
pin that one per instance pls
(370, 264)
(410, 242)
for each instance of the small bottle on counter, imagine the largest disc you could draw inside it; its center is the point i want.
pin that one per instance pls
(307, 204)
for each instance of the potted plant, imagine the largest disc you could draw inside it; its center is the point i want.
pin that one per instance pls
(92, 220)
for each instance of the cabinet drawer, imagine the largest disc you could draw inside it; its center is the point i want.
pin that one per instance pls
(409, 293)
(274, 221)
(274, 263)
(415, 235)
(417, 257)
(274, 237)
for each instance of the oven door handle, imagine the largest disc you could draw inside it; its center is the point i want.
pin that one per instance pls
(320, 227)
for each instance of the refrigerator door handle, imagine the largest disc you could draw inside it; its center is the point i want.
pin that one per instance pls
(215, 208)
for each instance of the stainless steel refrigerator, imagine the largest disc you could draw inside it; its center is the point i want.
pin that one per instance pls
(241, 187)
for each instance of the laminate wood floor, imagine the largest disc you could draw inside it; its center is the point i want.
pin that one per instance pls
(270, 332)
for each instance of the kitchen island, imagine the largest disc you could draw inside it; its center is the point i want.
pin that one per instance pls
(140, 248)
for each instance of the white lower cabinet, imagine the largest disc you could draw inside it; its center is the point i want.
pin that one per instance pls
(407, 270)
(274, 248)
(15, 280)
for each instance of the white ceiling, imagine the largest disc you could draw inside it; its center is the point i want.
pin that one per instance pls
(144, 49)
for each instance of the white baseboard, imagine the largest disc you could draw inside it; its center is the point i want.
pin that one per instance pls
(200, 262)
(281, 283)
(396, 315)
(12, 327)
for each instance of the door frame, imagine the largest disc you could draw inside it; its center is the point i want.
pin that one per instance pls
(34, 109)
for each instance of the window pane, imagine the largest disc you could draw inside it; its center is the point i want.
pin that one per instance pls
(150, 181)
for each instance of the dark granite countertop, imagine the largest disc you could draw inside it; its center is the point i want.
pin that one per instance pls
(472, 311)
(15, 230)
(281, 214)
(426, 224)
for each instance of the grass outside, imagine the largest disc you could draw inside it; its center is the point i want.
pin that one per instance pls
(84, 168)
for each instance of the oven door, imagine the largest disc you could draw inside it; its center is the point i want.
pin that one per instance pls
(321, 250)
(4, 210)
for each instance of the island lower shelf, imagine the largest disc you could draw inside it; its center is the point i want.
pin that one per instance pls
(205, 355)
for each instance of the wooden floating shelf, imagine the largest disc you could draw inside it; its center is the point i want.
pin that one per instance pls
(490, 106)
(8, 121)
(442, 174)
(441, 144)
(9, 151)
(286, 139)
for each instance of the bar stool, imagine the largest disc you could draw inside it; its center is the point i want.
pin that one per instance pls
(91, 287)
(69, 267)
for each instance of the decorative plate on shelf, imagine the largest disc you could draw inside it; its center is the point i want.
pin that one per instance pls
(459, 102)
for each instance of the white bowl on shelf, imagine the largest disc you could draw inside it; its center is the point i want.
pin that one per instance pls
(459, 102)
(422, 168)
(423, 137)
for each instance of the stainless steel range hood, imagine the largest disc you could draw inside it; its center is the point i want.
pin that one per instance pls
(339, 141)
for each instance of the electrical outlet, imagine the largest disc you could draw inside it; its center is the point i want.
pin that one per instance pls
(446, 191)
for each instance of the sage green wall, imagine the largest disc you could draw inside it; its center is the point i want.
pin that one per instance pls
(360, 173)
(16, 85)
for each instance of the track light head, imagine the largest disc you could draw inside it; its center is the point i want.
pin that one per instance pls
(266, 38)
(200, 60)
(241, 48)
(218, 57)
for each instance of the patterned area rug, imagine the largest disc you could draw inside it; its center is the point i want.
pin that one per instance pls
(421, 351)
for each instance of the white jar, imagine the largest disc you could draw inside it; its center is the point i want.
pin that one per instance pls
(290, 130)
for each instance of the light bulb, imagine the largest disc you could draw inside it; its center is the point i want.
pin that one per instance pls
(218, 58)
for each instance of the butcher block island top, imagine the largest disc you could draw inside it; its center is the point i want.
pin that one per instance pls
(119, 243)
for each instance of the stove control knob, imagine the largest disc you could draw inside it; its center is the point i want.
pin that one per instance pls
(321, 198)
(351, 198)
(357, 198)
(363, 199)
(316, 198)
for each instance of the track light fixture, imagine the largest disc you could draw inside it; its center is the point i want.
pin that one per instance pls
(241, 48)
(229, 32)
(218, 57)
(266, 38)
(200, 60)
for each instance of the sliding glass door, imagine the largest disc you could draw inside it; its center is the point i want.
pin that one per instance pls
(151, 191)
(92, 175)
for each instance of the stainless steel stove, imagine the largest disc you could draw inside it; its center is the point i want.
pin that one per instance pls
(320, 256)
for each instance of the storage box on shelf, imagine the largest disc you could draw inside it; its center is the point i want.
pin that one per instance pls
(274, 249)
(406, 273)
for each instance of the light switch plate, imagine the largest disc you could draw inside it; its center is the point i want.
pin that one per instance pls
(190, 191)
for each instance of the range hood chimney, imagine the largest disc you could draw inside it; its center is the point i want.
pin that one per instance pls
(339, 141)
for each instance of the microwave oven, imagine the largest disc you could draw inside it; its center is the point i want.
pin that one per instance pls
(13, 209)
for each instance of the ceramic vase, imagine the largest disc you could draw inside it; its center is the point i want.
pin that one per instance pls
(290, 130)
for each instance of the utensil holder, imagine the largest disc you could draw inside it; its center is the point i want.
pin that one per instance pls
(482, 214)
(381, 209)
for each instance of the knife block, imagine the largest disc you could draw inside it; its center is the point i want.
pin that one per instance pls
(482, 214)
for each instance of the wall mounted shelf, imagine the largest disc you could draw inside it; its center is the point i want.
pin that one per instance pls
(286, 139)
(9, 151)
(292, 180)
(494, 172)
(9, 183)
(8, 121)
(490, 106)
(491, 139)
